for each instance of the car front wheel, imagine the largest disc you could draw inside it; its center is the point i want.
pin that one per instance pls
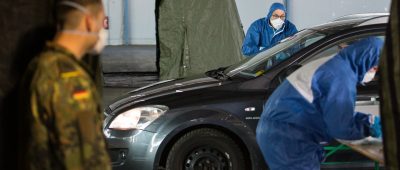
(206, 148)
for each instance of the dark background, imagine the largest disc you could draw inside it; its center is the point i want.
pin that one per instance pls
(25, 25)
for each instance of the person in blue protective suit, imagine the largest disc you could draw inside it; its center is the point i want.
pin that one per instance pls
(316, 104)
(264, 33)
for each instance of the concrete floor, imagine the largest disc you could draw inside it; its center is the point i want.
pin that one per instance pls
(129, 59)
(127, 67)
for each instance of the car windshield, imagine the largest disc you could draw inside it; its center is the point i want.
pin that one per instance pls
(260, 63)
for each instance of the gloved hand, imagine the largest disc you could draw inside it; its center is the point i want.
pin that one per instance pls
(375, 128)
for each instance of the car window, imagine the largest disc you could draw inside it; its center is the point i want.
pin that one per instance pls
(262, 62)
(336, 47)
(328, 51)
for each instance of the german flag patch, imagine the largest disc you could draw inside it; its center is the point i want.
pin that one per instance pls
(81, 94)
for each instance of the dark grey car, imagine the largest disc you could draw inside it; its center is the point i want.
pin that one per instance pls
(209, 121)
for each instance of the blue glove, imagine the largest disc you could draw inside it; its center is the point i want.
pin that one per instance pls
(375, 128)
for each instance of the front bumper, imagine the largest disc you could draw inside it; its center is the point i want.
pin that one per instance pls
(134, 149)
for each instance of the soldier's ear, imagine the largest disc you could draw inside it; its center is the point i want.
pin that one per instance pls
(88, 23)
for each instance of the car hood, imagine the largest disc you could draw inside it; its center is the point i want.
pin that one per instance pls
(163, 88)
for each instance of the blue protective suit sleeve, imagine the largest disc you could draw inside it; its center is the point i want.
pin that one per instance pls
(251, 42)
(291, 29)
(337, 103)
(375, 128)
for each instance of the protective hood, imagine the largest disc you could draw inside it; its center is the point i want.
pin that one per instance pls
(262, 34)
(362, 55)
(274, 7)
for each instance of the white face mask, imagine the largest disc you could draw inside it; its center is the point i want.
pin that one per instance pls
(101, 42)
(277, 23)
(369, 76)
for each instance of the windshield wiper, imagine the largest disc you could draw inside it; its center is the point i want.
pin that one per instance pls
(218, 73)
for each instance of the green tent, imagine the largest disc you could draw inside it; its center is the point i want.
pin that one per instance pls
(196, 36)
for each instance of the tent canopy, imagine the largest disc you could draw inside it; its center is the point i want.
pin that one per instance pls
(196, 36)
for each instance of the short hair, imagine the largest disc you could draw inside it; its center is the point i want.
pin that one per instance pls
(67, 17)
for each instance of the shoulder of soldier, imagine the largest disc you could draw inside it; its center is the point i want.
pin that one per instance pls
(55, 64)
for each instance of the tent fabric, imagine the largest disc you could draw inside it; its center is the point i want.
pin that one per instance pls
(389, 91)
(196, 36)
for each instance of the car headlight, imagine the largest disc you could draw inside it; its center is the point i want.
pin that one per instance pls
(137, 118)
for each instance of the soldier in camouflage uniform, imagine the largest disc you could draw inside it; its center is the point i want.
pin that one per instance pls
(64, 127)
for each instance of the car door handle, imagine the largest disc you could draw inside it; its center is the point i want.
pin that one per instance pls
(372, 101)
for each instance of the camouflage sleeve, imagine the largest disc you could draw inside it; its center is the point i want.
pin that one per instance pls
(77, 131)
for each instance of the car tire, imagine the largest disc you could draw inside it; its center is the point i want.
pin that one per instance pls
(205, 148)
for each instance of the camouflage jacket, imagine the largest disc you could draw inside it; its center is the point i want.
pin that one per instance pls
(65, 120)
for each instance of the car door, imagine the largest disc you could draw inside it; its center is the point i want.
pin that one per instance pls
(368, 99)
(367, 95)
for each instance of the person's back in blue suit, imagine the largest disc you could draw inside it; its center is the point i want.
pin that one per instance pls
(317, 104)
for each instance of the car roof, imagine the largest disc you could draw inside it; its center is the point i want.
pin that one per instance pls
(351, 21)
